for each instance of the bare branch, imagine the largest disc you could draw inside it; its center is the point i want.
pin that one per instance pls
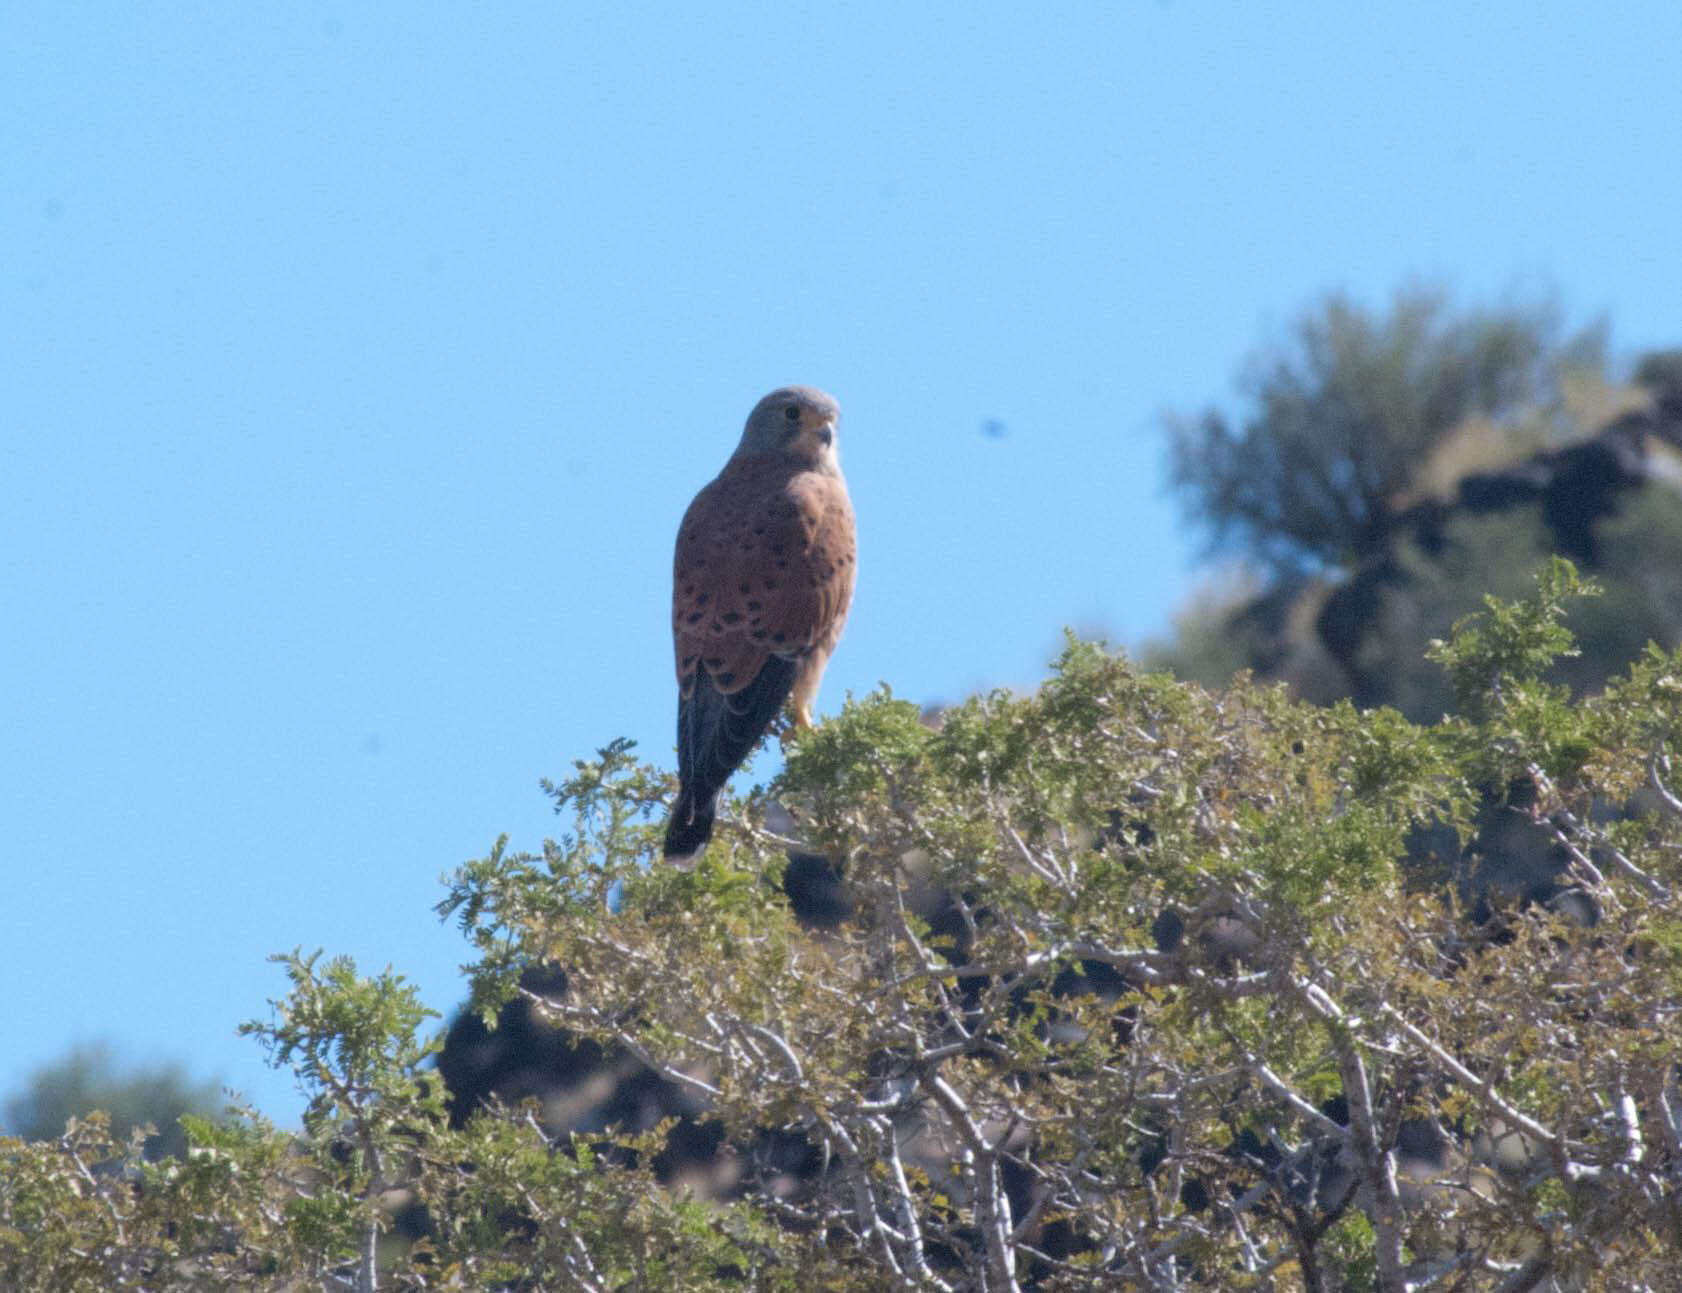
(870, 1224)
(1634, 1150)
(1485, 1090)
(1528, 1276)
(782, 1048)
(1046, 870)
(1652, 887)
(1377, 1161)
(1274, 1083)
(1669, 1123)
(908, 1219)
(1667, 797)
(992, 1208)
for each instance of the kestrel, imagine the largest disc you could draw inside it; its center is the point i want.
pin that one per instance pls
(760, 588)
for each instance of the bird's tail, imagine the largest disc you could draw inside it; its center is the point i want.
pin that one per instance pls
(715, 732)
(690, 828)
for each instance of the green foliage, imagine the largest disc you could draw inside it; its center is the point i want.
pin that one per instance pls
(1342, 419)
(1289, 1015)
(1389, 469)
(351, 1041)
(500, 900)
(91, 1078)
(1661, 371)
(1511, 642)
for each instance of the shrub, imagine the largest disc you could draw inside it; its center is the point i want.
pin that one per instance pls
(1139, 989)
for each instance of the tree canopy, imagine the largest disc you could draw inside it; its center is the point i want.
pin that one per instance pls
(1342, 417)
(1388, 468)
(1135, 985)
(92, 1077)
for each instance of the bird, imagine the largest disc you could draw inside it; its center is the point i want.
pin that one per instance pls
(762, 580)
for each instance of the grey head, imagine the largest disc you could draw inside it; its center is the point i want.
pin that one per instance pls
(796, 421)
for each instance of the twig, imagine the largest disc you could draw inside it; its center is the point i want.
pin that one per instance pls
(781, 1047)
(1653, 887)
(1044, 870)
(908, 1215)
(1274, 1083)
(870, 1223)
(1484, 1089)
(992, 1208)
(1633, 1147)
(1378, 1161)
(368, 1271)
(1669, 1123)
(1667, 796)
(1528, 1276)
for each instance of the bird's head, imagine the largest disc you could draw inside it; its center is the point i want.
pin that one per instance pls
(798, 422)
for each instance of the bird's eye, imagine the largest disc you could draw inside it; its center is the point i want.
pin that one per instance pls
(792, 413)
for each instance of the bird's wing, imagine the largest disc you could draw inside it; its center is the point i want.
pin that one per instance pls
(764, 568)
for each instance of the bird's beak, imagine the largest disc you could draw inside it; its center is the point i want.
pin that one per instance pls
(826, 434)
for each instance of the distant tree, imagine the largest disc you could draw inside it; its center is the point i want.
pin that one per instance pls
(1338, 422)
(1391, 469)
(1661, 372)
(91, 1077)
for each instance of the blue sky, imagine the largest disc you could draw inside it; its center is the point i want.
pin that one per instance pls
(357, 361)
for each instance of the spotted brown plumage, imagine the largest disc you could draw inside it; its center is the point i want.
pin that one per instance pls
(761, 582)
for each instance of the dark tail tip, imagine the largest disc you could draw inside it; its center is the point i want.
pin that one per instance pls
(690, 828)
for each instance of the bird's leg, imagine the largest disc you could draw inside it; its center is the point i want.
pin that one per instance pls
(802, 694)
(799, 720)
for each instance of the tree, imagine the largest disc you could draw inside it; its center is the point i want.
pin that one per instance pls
(1180, 1018)
(90, 1077)
(1342, 420)
(1660, 371)
(1391, 469)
